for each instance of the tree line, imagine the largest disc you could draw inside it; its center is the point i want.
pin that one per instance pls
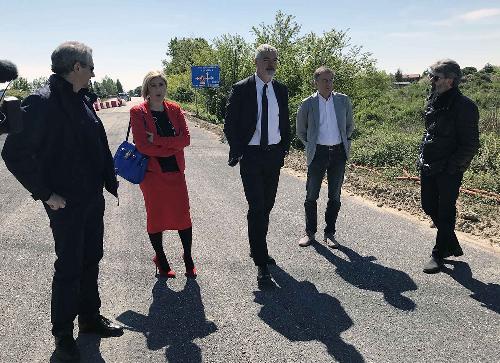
(107, 87)
(299, 55)
(389, 122)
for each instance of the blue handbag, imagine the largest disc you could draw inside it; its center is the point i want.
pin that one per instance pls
(130, 164)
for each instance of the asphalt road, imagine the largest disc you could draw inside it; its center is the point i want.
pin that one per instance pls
(367, 301)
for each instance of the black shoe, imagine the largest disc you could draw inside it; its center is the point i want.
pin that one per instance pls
(100, 326)
(269, 261)
(457, 252)
(66, 349)
(263, 273)
(433, 265)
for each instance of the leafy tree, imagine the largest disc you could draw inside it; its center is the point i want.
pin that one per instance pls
(398, 76)
(234, 56)
(98, 89)
(284, 35)
(488, 68)
(119, 87)
(21, 84)
(468, 70)
(38, 83)
(186, 52)
(108, 86)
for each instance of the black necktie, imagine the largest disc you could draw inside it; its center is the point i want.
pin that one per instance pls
(264, 138)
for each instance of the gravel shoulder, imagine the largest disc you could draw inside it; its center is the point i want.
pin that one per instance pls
(477, 219)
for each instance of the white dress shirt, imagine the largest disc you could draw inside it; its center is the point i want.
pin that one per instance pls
(273, 112)
(329, 133)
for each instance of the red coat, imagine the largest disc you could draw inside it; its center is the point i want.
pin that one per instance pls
(161, 146)
(165, 193)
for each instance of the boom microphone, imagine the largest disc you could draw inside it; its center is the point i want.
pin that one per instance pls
(8, 71)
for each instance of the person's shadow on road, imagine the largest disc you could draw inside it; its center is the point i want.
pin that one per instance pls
(487, 294)
(299, 312)
(362, 272)
(175, 319)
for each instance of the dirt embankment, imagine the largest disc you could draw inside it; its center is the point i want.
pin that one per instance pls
(476, 216)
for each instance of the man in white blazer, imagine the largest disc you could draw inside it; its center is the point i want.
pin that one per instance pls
(324, 125)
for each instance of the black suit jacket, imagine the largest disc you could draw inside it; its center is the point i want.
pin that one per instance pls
(241, 115)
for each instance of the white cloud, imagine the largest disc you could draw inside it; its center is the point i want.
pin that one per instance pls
(469, 17)
(479, 14)
(408, 35)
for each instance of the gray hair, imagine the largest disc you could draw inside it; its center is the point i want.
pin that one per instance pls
(67, 54)
(263, 48)
(449, 68)
(320, 70)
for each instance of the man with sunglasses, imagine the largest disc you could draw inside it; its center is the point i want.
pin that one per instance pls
(450, 142)
(62, 158)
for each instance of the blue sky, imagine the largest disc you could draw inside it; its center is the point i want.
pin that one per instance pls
(130, 38)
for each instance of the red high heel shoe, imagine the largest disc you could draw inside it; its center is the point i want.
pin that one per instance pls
(170, 274)
(190, 269)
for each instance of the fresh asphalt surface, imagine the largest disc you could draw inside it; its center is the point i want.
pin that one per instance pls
(368, 301)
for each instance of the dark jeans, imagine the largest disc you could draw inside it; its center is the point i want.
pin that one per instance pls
(78, 234)
(329, 160)
(439, 195)
(260, 173)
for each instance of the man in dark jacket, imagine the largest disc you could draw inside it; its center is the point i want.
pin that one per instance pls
(450, 142)
(257, 128)
(62, 158)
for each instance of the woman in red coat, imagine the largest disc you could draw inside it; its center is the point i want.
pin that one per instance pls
(160, 131)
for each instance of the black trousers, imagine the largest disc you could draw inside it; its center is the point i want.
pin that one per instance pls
(439, 195)
(260, 173)
(78, 231)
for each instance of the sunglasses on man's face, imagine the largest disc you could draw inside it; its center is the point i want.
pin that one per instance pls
(434, 77)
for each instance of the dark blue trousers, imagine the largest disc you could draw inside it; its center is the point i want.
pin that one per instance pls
(78, 231)
(332, 161)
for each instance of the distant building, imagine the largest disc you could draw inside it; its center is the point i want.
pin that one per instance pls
(401, 84)
(411, 77)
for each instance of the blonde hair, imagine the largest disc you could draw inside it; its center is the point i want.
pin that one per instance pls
(148, 78)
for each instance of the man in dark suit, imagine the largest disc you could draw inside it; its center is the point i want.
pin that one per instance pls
(62, 158)
(257, 128)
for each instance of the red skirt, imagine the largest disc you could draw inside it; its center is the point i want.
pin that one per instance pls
(166, 200)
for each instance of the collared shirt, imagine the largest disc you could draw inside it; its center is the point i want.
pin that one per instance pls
(273, 124)
(329, 133)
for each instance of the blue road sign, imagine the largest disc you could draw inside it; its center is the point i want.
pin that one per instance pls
(205, 76)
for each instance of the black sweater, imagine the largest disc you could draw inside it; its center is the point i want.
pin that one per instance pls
(452, 133)
(63, 148)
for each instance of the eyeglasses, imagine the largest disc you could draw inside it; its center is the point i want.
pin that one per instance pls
(434, 77)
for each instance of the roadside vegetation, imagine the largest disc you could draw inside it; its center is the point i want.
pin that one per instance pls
(389, 123)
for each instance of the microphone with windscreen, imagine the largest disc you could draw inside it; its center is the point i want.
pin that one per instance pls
(8, 71)
(10, 107)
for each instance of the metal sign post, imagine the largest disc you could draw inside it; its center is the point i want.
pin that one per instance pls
(204, 77)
